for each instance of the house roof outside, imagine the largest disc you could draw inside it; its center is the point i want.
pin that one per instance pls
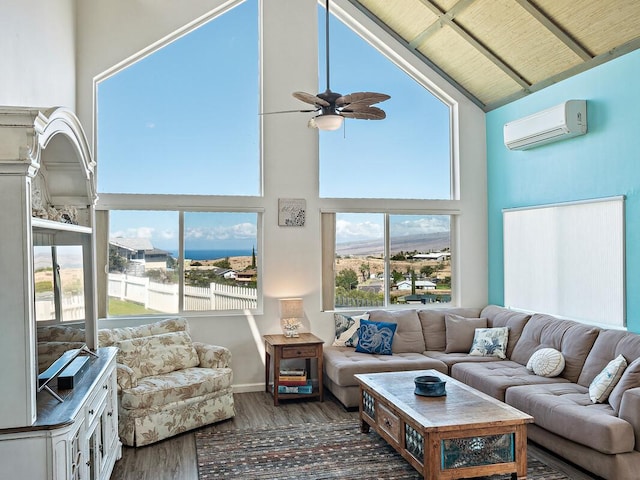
(133, 244)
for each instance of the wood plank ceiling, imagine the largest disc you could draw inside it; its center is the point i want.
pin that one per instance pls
(496, 51)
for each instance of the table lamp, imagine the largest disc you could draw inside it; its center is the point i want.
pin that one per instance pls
(290, 314)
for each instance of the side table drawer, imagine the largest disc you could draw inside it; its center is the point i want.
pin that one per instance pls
(389, 422)
(303, 351)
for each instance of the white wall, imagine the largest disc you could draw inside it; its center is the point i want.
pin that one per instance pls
(37, 53)
(111, 31)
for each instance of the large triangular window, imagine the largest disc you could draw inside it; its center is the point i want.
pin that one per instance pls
(182, 120)
(406, 155)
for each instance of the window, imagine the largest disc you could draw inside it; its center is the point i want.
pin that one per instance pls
(382, 259)
(405, 156)
(212, 266)
(151, 123)
(59, 283)
(178, 131)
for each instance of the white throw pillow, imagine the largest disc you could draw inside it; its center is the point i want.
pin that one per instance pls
(347, 329)
(490, 342)
(546, 362)
(603, 384)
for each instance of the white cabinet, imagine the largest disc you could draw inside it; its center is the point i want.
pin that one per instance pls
(75, 439)
(48, 194)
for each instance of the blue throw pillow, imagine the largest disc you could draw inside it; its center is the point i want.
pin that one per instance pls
(375, 337)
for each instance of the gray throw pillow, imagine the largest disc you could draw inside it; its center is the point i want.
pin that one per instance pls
(460, 332)
(630, 379)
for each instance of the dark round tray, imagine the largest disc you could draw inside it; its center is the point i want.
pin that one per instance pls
(429, 386)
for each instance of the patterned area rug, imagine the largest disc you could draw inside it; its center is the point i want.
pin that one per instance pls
(323, 451)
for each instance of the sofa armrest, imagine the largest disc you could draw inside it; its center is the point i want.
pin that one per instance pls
(213, 356)
(630, 411)
(126, 377)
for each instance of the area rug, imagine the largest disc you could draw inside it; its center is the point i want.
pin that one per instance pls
(335, 450)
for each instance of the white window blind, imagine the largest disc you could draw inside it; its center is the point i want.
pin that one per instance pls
(567, 260)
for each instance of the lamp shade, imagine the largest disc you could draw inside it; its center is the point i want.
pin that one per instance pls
(329, 121)
(291, 308)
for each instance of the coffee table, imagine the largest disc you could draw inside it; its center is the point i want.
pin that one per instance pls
(463, 434)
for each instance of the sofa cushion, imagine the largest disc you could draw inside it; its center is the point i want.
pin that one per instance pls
(434, 329)
(341, 363)
(573, 339)
(503, 317)
(158, 390)
(347, 329)
(452, 358)
(408, 337)
(630, 379)
(460, 332)
(375, 337)
(546, 362)
(608, 345)
(158, 354)
(603, 384)
(494, 378)
(490, 342)
(566, 410)
(108, 337)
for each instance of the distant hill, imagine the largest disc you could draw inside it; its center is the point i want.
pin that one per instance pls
(420, 243)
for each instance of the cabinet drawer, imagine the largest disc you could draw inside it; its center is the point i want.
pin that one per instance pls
(302, 351)
(389, 422)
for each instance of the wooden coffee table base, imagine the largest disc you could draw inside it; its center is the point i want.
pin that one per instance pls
(462, 435)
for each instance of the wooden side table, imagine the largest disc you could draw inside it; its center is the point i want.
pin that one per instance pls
(279, 347)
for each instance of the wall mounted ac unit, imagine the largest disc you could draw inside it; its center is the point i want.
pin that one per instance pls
(569, 119)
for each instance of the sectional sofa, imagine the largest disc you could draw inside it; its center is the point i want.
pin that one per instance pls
(603, 436)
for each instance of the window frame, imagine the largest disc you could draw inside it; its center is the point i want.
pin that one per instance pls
(386, 43)
(329, 244)
(180, 204)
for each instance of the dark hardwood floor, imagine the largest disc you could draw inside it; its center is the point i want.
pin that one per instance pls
(175, 458)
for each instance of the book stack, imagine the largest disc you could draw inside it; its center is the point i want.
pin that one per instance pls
(294, 381)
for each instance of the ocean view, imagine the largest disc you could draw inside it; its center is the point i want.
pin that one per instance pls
(213, 254)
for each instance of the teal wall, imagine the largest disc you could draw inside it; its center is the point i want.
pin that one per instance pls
(604, 162)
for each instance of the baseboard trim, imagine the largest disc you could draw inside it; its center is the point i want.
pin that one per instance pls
(248, 387)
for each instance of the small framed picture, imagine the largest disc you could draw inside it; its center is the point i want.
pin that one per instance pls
(291, 212)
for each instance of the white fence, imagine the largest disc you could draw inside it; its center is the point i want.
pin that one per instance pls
(72, 307)
(163, 297)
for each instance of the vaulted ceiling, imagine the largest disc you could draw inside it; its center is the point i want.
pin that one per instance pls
(496, 51)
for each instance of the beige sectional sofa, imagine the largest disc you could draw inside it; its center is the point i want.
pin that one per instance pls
(604, 437)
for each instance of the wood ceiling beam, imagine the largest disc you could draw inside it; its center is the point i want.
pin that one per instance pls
(423, 58)
(555, 29)
(447, 18)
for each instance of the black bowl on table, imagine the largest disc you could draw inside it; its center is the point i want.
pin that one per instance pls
(429, 386)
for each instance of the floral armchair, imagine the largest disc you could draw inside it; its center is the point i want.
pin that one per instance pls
(168, 384)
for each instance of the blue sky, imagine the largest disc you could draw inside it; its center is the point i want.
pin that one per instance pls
(153, 116)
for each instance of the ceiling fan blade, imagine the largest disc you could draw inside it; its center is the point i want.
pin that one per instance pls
(312, 99)
(368, 113)
(290, 111)
(365, 98)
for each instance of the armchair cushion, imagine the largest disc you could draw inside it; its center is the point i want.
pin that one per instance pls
(158, 354)
(159, 390)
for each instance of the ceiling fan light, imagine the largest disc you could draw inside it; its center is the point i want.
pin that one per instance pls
(329, 121)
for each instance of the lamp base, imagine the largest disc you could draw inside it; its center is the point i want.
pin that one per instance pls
(291, 332)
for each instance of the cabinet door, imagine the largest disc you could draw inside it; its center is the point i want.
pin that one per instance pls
(96, 447)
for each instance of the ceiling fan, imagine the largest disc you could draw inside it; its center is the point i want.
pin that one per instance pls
(334, 107)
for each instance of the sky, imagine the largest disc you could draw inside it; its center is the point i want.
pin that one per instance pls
(153, 115)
